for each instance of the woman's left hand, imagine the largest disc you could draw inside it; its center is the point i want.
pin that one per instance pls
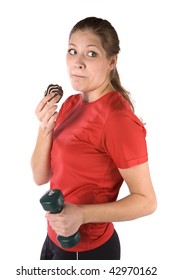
(68, 221)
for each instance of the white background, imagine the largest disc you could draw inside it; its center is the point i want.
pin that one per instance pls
(33, 44)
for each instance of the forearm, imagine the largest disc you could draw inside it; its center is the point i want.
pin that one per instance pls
(129, 208)
(40, 160)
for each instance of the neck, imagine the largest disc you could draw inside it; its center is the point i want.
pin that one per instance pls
(96, 94)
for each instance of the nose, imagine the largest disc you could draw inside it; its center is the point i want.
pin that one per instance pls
(78, 65)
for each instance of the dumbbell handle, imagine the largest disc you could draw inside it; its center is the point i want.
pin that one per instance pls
(53, 201)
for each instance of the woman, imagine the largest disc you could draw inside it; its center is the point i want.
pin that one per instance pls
(90, 147)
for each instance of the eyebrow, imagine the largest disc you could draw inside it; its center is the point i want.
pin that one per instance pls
(87, 45)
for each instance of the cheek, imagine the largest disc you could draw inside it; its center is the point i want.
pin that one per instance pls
(100, 67)
(100, 72)
(68, 63)
(69, 68)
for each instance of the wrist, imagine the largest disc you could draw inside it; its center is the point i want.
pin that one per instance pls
(87, 213)
(46, 132)
(83, 213)
(97, 213)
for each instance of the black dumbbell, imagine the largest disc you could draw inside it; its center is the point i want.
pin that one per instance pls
(53, 201)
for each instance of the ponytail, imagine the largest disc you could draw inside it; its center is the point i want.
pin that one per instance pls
(116, 83)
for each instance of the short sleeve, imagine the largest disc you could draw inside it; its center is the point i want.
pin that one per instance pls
(124, 139)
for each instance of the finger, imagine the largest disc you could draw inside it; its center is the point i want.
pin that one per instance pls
(50, 103)
(53, 218)
(46, 101)
(49, 120)
(46, 113)
(40, 106)
(52, 119)
(50, 107)
(58, 97)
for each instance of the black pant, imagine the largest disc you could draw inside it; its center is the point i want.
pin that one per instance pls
(110, 250)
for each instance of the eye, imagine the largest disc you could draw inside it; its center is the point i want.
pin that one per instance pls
(92, 54)
(72, 51)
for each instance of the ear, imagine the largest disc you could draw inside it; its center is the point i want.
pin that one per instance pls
(113, 62)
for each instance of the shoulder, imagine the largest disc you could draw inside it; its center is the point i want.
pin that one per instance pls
(120, 111)
(121, 120)
(117, 103)
(124, 135)
(69, 104)
(71, 100)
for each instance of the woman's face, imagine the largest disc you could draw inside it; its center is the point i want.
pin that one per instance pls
(87, 63)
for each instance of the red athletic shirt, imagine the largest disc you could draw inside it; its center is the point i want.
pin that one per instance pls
(91, 141)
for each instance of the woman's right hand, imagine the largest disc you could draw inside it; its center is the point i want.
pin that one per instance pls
(40, 160)
(46, 111)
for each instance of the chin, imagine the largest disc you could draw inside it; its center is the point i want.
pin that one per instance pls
(77, 87)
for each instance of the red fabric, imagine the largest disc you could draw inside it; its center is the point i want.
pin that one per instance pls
(91, 141)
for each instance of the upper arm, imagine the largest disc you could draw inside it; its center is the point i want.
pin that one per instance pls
(138, 180)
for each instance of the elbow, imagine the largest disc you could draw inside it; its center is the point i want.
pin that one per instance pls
(151, 206)
(154, 206)
(39, 181)
(41, 178)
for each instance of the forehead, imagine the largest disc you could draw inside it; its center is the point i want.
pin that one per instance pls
(87, 37)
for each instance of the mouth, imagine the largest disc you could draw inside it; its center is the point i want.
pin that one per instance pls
(78, 76)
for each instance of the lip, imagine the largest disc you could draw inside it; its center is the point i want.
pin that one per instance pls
(78, 76)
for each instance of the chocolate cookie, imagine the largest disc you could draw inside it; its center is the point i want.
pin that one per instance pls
(54, 90)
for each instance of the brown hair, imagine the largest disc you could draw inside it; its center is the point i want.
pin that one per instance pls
(110, 42)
